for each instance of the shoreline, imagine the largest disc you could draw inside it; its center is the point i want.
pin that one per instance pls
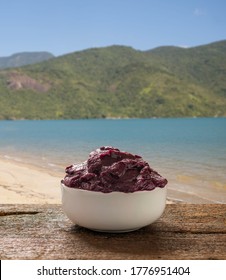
(119, 118)
(22, 183)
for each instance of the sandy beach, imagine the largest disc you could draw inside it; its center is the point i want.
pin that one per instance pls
(21, 183)
(33, 155)
(27, 184)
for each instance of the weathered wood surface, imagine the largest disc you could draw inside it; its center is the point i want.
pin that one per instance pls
(185, 231)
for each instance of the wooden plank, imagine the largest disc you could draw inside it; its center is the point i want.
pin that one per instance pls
(185, 231)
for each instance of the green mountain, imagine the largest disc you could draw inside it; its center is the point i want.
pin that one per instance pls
(24, 58)
(118, 81)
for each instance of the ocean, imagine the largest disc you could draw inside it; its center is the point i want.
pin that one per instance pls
(189, 152)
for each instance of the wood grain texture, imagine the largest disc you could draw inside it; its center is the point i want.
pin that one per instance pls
(185, 231)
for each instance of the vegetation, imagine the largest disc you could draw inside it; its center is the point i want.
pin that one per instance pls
(25, 58)
(119, 82)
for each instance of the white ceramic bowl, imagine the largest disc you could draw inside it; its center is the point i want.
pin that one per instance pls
(115, 211)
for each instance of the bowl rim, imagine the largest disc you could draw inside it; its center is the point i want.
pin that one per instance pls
(112, 192)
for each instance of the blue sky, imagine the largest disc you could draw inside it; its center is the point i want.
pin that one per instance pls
(64, 26)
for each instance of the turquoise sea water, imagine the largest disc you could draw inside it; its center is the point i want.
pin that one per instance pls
(189, 152)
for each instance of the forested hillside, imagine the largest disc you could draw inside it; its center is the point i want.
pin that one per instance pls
(119, 82)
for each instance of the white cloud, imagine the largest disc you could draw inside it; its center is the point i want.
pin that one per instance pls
(199, 12)
(184, 46)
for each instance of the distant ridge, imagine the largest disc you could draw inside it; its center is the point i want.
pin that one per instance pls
(24, 58)
(119, 82)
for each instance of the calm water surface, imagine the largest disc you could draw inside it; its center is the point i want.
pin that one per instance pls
(190, 153)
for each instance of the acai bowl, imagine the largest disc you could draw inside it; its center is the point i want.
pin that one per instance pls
(113, 191)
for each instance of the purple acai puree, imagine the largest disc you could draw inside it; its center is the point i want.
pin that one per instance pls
(110, 170)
